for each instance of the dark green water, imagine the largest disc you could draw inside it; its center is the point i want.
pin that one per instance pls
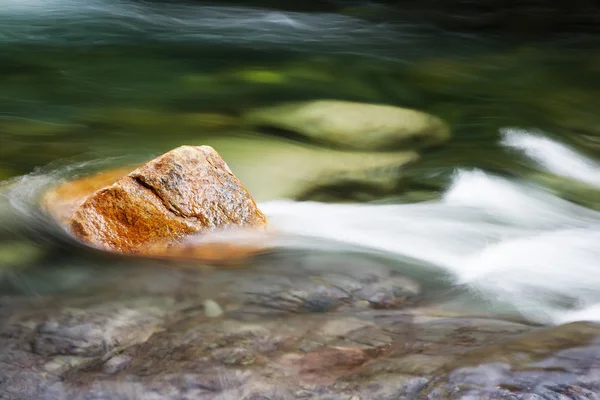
(130, 79)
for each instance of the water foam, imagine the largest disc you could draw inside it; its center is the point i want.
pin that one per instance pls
(511, 242)
(553, 156)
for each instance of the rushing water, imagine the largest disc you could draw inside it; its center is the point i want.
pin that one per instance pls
(507, 213)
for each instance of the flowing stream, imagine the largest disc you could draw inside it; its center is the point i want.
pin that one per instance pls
(507, 210)
(504, 238)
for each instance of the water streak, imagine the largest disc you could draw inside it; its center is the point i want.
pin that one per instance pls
(507, 241)
(91, 22)
(511, 242)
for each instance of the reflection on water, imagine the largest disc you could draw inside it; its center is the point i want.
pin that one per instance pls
(507, 214)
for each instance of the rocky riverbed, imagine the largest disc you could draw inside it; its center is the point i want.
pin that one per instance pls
(327, 327)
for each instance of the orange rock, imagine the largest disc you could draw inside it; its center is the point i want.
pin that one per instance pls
(62, 201)
(150, 210)
(332, 358)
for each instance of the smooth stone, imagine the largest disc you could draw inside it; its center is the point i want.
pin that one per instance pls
(302, 168)
(351, 125)
(212, 309)
(162, 348)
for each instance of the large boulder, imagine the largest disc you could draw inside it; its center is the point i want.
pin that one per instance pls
(354, 125)
(154, 208)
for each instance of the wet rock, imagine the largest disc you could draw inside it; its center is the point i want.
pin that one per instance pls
(575, 360)
(186, 191)
(234, 356)
(321, 283)
(163, 346)
(62, 201)
(304, 169)
(96, 330)
(342, 327)
(22, 373)
(355, 125)
(483, 375)
(330, 359)
(435, 334)
(416, 364)
(212, 309)
(217, 358)
(116, 364)
(392, 387)
(246, 366)
(61, 364)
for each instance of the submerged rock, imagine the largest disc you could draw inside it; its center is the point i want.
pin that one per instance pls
(152, 209)
(212, 309)
(145, 333)
(354, 125)
(303, 169)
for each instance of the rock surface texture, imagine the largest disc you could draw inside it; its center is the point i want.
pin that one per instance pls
(356, 126)
(150, 210)
(307, 329)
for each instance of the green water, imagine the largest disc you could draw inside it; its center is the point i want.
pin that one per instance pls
(60, 102)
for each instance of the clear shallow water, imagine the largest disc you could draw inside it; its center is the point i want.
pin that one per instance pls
(507, 213)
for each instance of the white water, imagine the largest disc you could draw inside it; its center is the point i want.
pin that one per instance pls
(510, 241)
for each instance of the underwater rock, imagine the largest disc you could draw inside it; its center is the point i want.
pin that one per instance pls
(146, 331)
(94, 330)
(354, 125)
(304, 169)
(153, 208)
(212, 309)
